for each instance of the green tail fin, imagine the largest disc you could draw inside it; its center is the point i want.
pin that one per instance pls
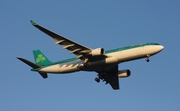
(40, 58)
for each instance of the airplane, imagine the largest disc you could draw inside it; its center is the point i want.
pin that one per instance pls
(105, 63)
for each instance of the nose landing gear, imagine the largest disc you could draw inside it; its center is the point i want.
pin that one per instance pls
(147, 58)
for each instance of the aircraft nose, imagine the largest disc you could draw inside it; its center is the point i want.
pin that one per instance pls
(161, 47)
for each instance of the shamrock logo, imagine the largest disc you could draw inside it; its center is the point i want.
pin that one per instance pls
(40, 58)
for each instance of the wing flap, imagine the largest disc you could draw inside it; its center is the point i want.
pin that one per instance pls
(75, 50)
(58, 41)
(68, 46)
(113, 77)
(114, 82)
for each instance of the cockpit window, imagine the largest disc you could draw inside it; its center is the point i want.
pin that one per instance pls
(157, 44)
(151, 44)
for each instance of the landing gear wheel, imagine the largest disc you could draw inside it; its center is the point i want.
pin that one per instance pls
(97, 79)
(147, 58)
(81, 67)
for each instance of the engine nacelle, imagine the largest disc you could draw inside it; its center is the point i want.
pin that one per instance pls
(124, 73)
(97, 52)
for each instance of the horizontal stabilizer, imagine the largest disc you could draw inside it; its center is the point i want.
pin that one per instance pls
(33, 65)
(43, 74)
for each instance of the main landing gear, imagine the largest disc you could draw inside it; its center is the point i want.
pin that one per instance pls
(147, 58)
(97, 80)
(103, 77)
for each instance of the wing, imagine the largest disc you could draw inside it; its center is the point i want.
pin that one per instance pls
(112, 77)
(79, 50)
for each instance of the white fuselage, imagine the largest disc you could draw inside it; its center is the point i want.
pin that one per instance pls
(113, 58)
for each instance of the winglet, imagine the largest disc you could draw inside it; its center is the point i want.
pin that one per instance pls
(32, 22)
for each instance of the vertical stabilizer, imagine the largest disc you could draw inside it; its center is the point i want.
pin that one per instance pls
(40, 58)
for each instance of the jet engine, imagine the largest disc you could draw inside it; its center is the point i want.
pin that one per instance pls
(124, 73)
(97, 52)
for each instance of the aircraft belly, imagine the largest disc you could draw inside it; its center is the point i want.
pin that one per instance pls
(101, 64)
(51, 69)
(61, 68)
(67, 68)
